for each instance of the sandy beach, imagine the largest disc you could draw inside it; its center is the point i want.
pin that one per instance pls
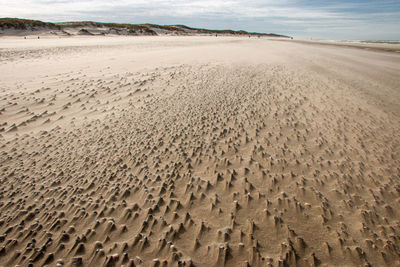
(198, 151)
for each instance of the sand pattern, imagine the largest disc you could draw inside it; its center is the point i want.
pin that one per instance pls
(198, 165)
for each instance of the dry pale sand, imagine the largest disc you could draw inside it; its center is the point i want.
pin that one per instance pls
(182, 151)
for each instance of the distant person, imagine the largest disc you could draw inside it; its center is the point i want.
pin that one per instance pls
(24, 37)
(38, 37)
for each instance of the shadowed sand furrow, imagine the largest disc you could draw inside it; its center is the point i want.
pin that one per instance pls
(204, 164)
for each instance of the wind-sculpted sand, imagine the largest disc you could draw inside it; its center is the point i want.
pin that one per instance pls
(198, 151)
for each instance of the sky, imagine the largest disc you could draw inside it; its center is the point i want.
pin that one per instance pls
(323, 19)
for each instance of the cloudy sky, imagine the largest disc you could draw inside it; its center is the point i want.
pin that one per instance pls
(326, 19)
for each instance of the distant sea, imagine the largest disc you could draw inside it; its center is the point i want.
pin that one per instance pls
(361, 41)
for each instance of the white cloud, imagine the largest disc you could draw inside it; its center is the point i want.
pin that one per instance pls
(161, 8)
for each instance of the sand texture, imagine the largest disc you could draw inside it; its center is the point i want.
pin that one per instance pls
(198, 151)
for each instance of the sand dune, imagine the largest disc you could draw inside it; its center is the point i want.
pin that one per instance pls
(36, 29)
(190, 151)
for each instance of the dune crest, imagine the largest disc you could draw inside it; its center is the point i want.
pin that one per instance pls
(25, 27)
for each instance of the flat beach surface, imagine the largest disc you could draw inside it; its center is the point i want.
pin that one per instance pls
(204, 151)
